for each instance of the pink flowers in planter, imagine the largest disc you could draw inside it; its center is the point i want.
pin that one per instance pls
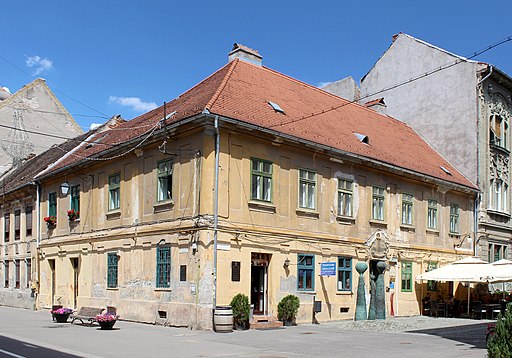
(106, 317)
(62, 311)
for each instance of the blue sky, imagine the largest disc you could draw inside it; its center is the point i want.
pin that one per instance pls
(122, 57)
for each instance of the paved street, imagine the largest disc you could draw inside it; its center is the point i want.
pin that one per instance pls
(409, 337)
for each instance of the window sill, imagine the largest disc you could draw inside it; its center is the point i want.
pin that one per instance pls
(346, 220)
(112, 288)
(113, 215)
(344, 293)
(498, 213)
(454, 234)
(307, 292)
(433, 231)
(309, 213)
(163, 206)
(409, 228)
(263, 206)
(163, 289)
(378, 223)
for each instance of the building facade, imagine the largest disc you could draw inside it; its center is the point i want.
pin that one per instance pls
(463, 111)
(31, 110)
(230, 189)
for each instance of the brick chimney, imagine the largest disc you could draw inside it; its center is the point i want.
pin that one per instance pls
(245, 53)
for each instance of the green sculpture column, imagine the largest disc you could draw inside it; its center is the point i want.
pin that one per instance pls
(361, 313)
(380, 294)
(373, 313)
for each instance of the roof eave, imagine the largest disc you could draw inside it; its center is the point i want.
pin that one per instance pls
(331, 150)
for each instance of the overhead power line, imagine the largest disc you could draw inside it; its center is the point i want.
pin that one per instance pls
(55, 89)
(426, 74)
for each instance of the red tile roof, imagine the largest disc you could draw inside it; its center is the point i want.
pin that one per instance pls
(241, 91)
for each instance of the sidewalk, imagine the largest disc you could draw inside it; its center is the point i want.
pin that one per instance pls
(445, 337)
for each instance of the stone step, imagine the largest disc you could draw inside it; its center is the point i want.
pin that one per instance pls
(265, 322)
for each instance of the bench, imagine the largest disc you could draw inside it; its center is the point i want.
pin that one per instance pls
(86, 314)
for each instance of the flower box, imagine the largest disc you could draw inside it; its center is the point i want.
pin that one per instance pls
(73, 215)
(50, 221)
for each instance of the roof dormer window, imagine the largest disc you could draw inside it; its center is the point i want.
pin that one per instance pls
(276, 107)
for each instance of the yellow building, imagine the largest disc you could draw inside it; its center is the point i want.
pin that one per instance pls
(250, 182)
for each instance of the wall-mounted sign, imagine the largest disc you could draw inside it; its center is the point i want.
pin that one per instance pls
(328, 269)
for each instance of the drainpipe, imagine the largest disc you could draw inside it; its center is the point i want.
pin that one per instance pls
(216, 210)
(38, 212)
(38, 240)
(475, 224)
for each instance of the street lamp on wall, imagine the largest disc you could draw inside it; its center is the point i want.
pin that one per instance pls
(64, 188)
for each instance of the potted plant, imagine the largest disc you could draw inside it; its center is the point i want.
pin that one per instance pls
(241, 309)
(50, 221)
(61, 315)
(107, 320)
(287, 309)
(73, 215)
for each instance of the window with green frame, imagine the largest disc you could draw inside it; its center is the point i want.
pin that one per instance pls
(344, 273)
(407, 205)
(164, 184)
(432, 214)
(261, 180)
(377, 203)
(75, 198)
(345, 192)
(406, 275)
(307, 188)
(114, 191)
(52, 204)
(305, 272)
(163, 267)
(454, 218)
(432, 285)
(112, 269)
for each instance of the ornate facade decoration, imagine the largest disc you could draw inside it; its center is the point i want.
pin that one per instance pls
(499, 166)
(379, 245)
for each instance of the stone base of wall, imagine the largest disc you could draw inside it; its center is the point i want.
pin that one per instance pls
(17, 298)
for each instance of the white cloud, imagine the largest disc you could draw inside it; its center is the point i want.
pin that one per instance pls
(134, 102)
(39, 64)
(94, 126)
(323, 84)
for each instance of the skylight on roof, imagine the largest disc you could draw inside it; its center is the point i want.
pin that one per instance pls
(445, 170)
(276, 107)
(362, 138)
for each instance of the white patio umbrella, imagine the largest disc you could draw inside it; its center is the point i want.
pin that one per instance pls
(500, 271)
(469, 269)
(500, 276)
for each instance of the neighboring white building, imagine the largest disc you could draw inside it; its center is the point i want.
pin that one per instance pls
(464, 112)
(32, 109)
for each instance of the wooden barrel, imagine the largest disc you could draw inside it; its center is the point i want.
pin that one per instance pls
(223, 319)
